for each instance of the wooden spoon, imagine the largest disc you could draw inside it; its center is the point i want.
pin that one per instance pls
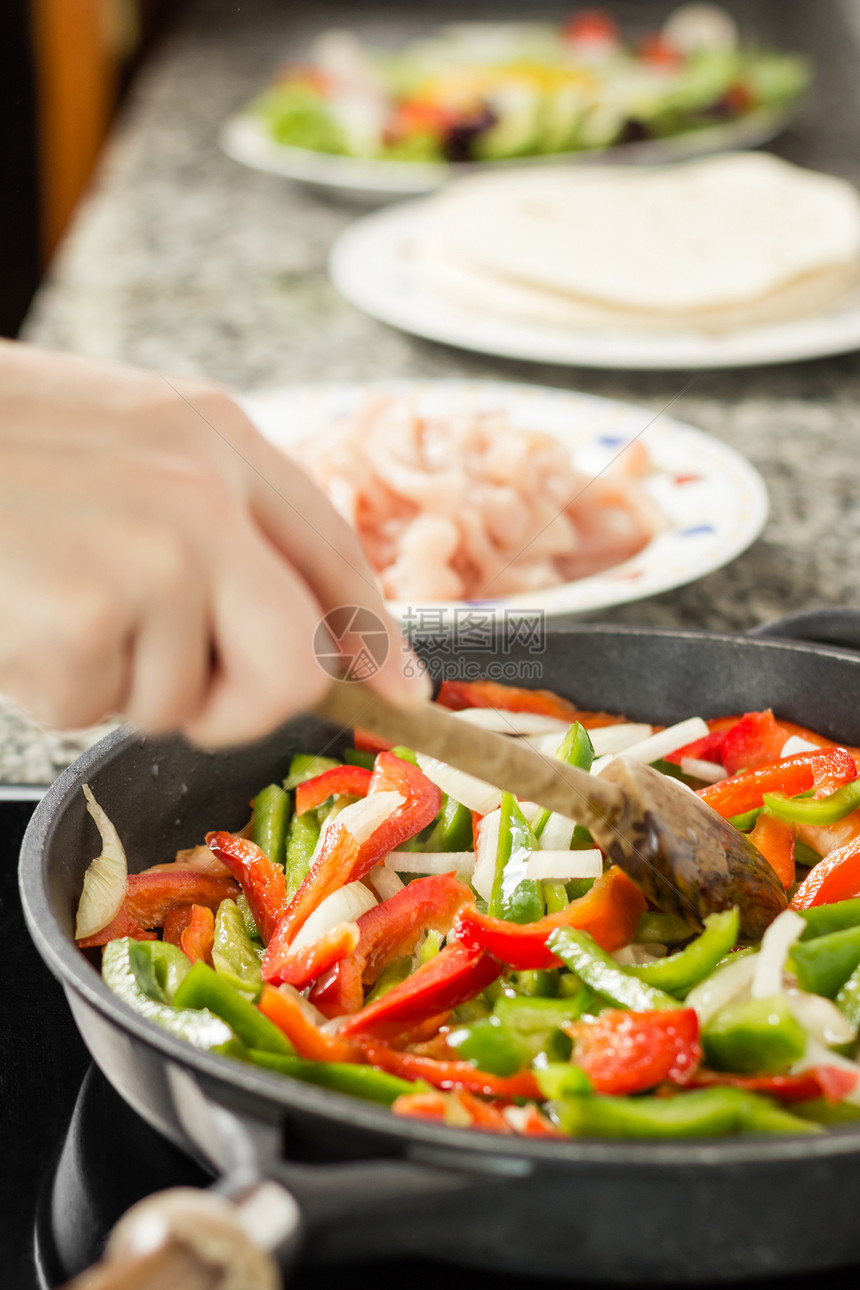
(683, 856)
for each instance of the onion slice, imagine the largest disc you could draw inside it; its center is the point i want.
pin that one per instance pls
(475, 794)
(616, 739)
(723, 985)
(816, 1054)
(512, 723)
(346, 905)
(659, 745)
(776, 942)
(106, 878)
(460, 862)
(565, 866)
(709, 771)
(383, 882)
(486, 853)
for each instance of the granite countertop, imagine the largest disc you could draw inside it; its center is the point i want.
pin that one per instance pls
(182, 260)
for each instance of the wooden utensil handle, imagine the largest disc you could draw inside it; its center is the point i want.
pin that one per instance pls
(505, 763)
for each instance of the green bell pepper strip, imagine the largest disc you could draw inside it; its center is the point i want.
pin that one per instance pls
(824, 1112)
(269, 825)
(234, 955)
(582, 839)
(655, 928)
(302, 837)
(540, 982)
(131, 970)
(848, 999)
(754, 1037)
(561, 1079)
(746, 820)
(453, 828)
(815, 811)
(490, 1046)
(358, 757)
(821, 919)
(204, 988)
(305, 766)
(405, 754)
(160, 968)
(343, 1077)
(702, 1113)
(534, 1019)
(581, 953)
(678, 973)
(515, 896)
(248, 919)
(390, 976)
(805, 855)
(555, 896)
(575, 749)
(824, 964)
(430, 947)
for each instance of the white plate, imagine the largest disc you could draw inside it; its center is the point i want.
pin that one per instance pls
(714, 501)
(374, 263)
(244, 138)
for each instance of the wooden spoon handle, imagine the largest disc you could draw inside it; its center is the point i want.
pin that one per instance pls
(505, 763)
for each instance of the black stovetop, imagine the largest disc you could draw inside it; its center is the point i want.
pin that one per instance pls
(74, 1156)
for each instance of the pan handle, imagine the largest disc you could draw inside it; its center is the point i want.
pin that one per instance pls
(836, 625)
(190, 1239)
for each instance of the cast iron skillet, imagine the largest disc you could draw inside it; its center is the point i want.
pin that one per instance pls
(368, 1182)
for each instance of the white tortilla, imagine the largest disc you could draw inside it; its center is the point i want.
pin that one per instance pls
(719, 242)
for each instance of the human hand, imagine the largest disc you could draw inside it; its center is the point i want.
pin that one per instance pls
(161, 560)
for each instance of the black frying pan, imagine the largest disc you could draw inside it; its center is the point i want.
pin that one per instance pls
(369, 1183)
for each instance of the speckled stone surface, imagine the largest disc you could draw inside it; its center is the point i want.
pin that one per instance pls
(180, 259)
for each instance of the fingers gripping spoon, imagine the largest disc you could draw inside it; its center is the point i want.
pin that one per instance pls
(683, 856)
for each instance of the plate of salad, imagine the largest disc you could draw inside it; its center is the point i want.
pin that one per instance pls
(398, 122)
(388, 927)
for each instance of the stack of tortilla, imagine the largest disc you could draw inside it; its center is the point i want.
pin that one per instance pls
(727, 242)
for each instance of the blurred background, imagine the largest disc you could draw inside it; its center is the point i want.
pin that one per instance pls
(68, 67)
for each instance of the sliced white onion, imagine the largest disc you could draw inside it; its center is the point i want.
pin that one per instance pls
(820, 1018)
(797, 744)
(721, 987)
(557, 833)
(817, 1055)
(529, 809)
(660, 745)
(461, 862)
(346, 905)
(364, 818)
(311, 1013)
(384, 882)
(106, 878)
(475, 794)
(564, 866)
(546, 745)
(638, 955)
(513, 723)
(709, 771)
(775, 944)
(615, 739)
(485, 855)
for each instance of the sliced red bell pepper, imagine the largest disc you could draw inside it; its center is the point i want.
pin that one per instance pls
(342, 860)
(791, 775)
(366, 742)
(756, 740)
(831, 1082)
(530, 1123)
(151, 897)
(390, 931)
(708, 748)
(835, 877)
(656, 51)
(460, 1109)
(775, 840)
(455, 975)
(609, 913)
(175, 924)
(198, 936)
(457, 695)
(588, 25)
(291, 1014)
(261, 880)
(448, 1075)
(628, 1052)
(354, 780)
(299, 967)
